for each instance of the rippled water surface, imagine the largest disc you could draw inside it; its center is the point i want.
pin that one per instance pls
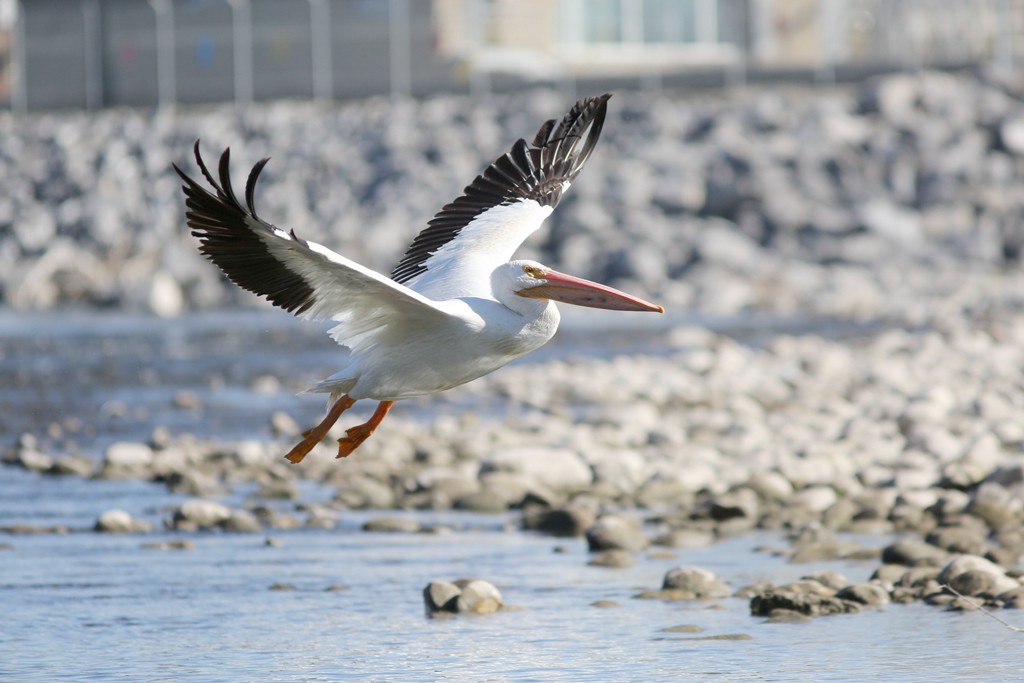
(346, 605)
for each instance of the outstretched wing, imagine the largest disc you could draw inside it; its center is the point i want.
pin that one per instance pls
(455, 255)
(302, 277)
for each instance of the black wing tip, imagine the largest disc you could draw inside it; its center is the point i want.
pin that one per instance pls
(231, 241)
(537, 170)
(250, 185)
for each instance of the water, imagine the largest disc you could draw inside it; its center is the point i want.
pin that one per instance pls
(82, 606)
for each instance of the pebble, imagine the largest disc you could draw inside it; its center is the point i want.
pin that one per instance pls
(685, 538)
(127, 455)
(201, 514)
(441, 596)
(958, 539)
(800, 599)
(479, 597)
(975, 576)
(408, 525)
(867, 594)
(560, 470)
(913, 553)
(121, 522)
(482, 501)
(612, 558)
(465, 596)
(181, 544)
(242, 521)
(563, 522)
(700, 583)
(616, 532)
(73, 465)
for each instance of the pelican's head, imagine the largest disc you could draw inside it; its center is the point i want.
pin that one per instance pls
(533, 280)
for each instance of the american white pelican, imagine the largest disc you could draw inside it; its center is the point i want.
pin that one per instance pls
(454, 309)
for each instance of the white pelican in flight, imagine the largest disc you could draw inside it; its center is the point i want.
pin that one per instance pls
(455, 308)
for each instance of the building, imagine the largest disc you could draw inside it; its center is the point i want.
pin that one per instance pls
(95, 53)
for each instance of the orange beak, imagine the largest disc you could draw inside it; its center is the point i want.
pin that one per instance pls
(579, 292)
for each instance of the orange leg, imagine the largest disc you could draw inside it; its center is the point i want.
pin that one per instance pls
(316, 434)
(354, 436)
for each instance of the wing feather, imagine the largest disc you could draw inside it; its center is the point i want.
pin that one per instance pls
(300, 276)
(506, 203)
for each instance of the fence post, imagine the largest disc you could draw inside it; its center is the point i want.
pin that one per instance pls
(166, 77)
(241, 38)
(1003, 50)
(399, 35)
(92, 30)
(320, 42)
(19, 91)
(829, 33)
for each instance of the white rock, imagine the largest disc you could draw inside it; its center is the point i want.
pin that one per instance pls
(965, 563)
(770, 485)
(165, 296)
(203, 513)
(816, 498)
(128, 455)
(558, 469)
(120, 522)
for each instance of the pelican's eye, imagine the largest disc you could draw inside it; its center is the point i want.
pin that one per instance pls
(533, 271)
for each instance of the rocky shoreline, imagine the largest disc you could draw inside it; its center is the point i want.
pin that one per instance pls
(914, 433)
(898, 204)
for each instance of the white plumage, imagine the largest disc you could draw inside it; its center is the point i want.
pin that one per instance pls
(455, 307)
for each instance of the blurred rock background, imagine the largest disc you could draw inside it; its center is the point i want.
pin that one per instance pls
(863, 201)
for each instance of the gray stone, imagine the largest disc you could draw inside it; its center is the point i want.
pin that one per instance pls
(685, 538)
(242, 521)
(73, 465)
(998, 507)
(193, 482)
(740, 502)
(34, 460)
(557, 469)
(1013, 598)
(120, 522)
(508, 487)
(441, 596)
(564, 522)
(202, 514)
(826, 549)
(482, 501)
(478, 597)
(914, 553)
(613, 532)
(958, 539)
(770, 486)
(982, 578)
(283, 424)
(406, 525)
(867, 594)
(612, 558)
(794, 598)
(128, 455)
(362, 492)
(700, 582)
(829, 579)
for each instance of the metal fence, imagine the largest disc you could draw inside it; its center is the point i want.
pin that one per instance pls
(96, 53)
